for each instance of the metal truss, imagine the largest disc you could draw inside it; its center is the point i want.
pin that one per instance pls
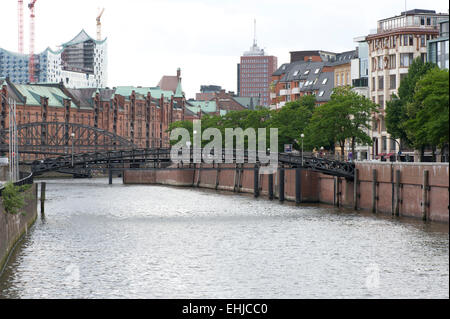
(55, 138)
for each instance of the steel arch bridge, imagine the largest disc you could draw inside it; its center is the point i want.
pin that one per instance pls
(49, 144)
(44, 139)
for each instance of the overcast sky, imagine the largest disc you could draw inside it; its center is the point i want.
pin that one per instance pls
(205, 38)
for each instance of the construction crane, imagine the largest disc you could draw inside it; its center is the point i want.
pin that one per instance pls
(20, 19)
(99, 25)
(32, 63)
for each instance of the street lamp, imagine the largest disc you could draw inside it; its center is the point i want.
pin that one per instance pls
(73, 138)
(302, 136)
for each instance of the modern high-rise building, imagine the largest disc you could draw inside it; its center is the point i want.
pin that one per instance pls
(392, 47)
(80, 63)
(254, 74)
(438, 49)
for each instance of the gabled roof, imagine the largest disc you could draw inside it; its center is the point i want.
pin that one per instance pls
(344, 58)
(84, 98)
(80, 38)
(248, 102)
(204, 106)
(33, 94)
(156, 92)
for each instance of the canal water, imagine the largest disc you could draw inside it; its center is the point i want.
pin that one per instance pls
(118, 241)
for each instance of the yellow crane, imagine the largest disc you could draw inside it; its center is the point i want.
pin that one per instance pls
(99, 25)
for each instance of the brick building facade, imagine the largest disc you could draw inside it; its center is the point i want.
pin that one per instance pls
(140, 115)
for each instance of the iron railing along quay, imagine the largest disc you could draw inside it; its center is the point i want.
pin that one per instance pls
(25, 179)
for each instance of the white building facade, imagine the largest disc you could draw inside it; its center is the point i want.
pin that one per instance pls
(392, 48)
(80, 63)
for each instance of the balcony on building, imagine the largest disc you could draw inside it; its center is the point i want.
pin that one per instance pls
(295, 90)
(361, 82)
(285, 92)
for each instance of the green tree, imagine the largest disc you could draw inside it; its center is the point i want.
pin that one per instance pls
(401, 108)
(292, 120)
(13, 198)
(346, 116)
(429, 110)
(396, 117)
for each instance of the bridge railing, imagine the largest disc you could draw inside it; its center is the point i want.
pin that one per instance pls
(133, 156)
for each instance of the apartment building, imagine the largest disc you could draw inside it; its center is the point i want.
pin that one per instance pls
(310, 73)
(392, 47)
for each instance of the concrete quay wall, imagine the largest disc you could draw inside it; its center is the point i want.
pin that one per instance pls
(13, 227)
(418, 190)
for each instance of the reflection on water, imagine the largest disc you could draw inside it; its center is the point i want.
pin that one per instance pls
(102, 241)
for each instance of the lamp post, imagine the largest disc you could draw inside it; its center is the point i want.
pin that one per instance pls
(399, 148)
(302, 136)
(73, 138)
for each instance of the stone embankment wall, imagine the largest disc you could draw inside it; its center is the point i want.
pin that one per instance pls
(418, 190)
(13, 227)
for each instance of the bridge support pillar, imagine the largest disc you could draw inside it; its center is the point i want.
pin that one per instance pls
(281, 184)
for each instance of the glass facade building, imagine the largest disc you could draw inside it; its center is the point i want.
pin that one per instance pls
(438, 49)
(81, 63)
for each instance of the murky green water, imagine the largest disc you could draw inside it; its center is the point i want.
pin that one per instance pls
(101, 241)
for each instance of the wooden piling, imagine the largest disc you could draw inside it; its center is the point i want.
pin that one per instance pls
(397, 192)
(425, 187)
(110, 175)
(271, 195)
(281, 184)
(374, 191)
(337, 193)
(355, 189)
(256, 181)
(43, 188)
(217, 176)
(298, 185)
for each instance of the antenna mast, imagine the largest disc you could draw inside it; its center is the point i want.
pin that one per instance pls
(254, 28)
